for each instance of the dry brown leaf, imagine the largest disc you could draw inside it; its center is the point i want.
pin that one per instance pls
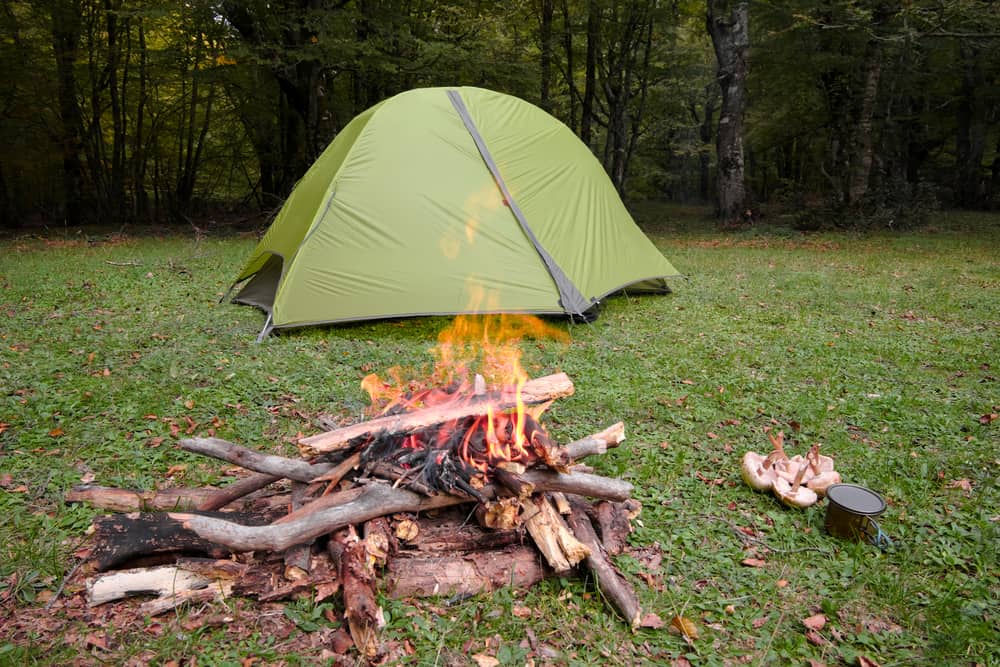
(866, 662)
(816, 638)
(753, 562)
(815, 622)
(759, 622)
(816, 663)
(963, 484)
(685, 626)
(521, 611)
(483, 660)
(652, 621)
(326, 590)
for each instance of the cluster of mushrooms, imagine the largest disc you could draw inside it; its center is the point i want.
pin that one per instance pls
(798, 481)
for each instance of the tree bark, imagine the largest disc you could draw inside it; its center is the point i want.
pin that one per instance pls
(590, 72)
(970, 140)
(66, 27)
(545, 37)
(729, 26)
(861, 164)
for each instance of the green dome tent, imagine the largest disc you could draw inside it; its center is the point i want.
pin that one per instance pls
(442, 201)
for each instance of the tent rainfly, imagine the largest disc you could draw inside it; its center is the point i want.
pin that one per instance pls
(441, 201)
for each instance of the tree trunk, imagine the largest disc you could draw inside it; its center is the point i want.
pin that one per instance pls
(545, 37)
(568, 48)
(861, 163)
(66, 27)
(590, 74)
(970, 141)
(729, 28)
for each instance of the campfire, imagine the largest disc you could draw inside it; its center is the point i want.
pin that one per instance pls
(452, 487)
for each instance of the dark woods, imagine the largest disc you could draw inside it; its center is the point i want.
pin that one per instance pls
(145, 111)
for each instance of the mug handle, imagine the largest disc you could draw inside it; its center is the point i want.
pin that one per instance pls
(875, 536)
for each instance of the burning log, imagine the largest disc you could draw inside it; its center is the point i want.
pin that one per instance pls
(451, 447)
(534, 392)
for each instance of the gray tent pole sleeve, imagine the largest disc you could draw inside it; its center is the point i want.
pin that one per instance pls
(569, 296)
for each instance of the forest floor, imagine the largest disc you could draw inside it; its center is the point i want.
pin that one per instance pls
(883, 347)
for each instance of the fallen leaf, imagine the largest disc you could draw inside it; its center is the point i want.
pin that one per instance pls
(652, 621)
(483, 660)
(816, 638)
(866, 662)
(815, 622)
(816, 663)
(758, 622)
(326, 590)
(963, 484)
(685, 626)
(781, 583)
(989, 418)
(681, 662)
(521, 611)
(753, 562)
(57, 432)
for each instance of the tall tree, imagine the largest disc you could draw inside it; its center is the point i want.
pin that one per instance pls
(728, 25)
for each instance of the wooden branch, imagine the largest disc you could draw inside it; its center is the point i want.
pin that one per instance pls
(126, 500)
(534, 391)
(463, 574)
(616, 590)
(236, 490)
(580, 483)
(376, 500)
(300, 471)
(599, 443)
(361, 609)
(552, 536)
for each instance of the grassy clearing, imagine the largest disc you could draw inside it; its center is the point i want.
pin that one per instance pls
(884, 348)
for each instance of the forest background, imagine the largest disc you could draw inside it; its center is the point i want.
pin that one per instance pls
(842, 112)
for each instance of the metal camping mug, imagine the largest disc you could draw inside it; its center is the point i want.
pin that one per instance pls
(851, 512)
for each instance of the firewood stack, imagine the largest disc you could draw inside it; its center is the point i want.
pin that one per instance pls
(448, 493)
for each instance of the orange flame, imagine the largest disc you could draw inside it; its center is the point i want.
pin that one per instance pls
(487, 345)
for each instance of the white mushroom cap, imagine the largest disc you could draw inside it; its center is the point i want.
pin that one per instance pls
(756, 471)
(820, 482)
(794, 493)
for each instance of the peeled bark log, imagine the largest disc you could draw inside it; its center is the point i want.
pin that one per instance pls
(598, 443)
(534, 391)
(463, 574)
(126, 500)
(300, 471)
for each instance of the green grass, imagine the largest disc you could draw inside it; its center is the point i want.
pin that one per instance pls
(882, 347)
